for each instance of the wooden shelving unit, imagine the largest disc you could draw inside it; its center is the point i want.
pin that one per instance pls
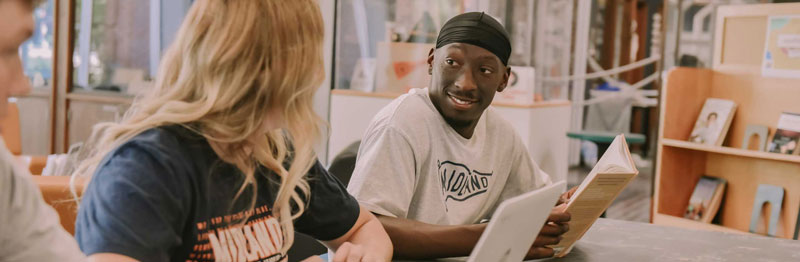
(738, 49)
(680, 163)
(730, 151)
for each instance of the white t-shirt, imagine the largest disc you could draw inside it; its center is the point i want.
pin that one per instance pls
(412, 164)
(29, 228)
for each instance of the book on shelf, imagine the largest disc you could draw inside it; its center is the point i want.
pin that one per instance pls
(706, 199)
(787, 135)
(713, 122)
(608, 178)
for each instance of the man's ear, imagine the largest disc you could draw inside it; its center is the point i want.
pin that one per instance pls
(505, 79)
(430, 61)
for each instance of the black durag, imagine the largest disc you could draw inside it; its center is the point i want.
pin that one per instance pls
(479, 29)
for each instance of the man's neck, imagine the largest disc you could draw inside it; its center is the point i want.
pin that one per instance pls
(464, 129)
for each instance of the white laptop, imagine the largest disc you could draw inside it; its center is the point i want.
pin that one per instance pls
(515, 225)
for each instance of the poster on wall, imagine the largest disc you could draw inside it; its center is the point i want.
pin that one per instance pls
(782, 47)
(401, 66)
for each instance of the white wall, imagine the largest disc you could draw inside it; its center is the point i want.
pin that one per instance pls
(350, 116)
(544, 131)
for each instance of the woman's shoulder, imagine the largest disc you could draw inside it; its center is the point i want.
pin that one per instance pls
(163, 155)
(168, 138)
(165, 144)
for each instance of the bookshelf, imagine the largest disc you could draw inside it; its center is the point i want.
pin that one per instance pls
(680, 163)
(730, 151)
(736, 75)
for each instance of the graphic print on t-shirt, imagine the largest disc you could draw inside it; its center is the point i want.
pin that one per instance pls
(459, 182)
(224, 239)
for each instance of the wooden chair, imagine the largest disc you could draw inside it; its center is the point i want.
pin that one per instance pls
(56, 192)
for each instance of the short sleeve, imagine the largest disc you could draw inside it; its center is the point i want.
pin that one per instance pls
(135, 205)
(384, 177)
(525, 174)
(29, 228)
(330, 212)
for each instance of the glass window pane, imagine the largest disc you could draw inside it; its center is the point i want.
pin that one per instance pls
(37, 52)
(694, 47)
(112, 53)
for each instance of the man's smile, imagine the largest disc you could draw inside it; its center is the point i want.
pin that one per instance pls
(461, 102)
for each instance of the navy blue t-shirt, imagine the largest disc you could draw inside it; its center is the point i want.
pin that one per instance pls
(166, 196)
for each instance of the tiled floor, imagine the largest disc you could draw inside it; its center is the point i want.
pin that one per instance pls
(633, 204)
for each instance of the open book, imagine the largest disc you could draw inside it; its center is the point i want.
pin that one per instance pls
(611, 174)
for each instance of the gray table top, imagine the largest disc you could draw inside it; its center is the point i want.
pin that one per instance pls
(616, 240)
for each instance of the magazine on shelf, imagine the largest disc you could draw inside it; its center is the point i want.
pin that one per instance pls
(787, 135)
(713, 122)
(706, 199)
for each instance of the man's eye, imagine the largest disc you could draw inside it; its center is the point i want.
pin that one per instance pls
(486, 71)
(449, 61)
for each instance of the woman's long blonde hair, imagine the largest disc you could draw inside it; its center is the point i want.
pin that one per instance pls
(233, 66)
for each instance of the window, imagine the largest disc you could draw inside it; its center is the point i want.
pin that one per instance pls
(113, 50)
(37, 52)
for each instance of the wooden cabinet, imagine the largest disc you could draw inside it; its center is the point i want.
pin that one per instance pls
(681, 163)
(736, 75)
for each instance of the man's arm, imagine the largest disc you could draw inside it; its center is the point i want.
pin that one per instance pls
(417, 240)
(30, 229)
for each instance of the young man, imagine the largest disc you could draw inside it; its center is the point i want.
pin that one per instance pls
(436, 162)
(29, 229)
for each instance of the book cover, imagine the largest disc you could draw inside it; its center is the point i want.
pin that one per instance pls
(787, 135)
(705, 200)
(713, 122)
(608, 178)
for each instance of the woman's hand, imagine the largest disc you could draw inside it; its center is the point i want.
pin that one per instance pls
(367, 241)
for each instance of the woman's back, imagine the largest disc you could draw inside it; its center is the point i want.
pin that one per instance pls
(180, 204)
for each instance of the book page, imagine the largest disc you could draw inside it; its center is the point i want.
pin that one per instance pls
(611, 174)
(616, 159)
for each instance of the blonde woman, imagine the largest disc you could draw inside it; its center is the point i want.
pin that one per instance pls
(216, 163)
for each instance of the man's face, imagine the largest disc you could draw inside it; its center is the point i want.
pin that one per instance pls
(464, 81)
(16, 25)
